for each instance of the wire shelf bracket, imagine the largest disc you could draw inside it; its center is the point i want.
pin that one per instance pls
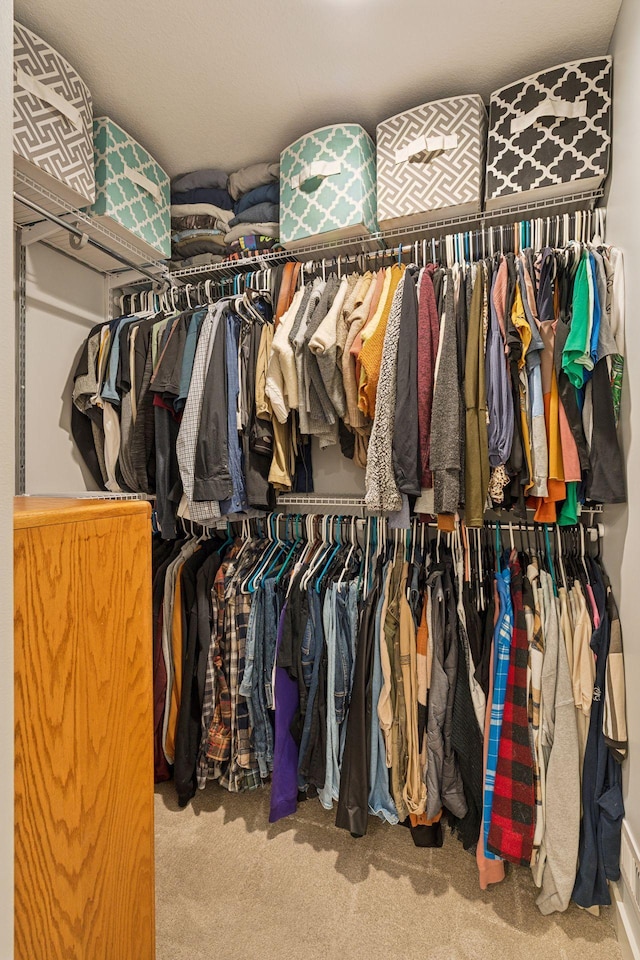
(74, 220)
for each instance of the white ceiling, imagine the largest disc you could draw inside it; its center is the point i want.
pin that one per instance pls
(225, 83)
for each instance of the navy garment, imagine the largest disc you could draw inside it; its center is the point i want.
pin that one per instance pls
(303, 474)
(267, 193)
(213, 195)
(602, 804)
(238, 499)
(189, 724)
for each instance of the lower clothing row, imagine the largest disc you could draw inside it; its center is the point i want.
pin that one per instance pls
(419, 680)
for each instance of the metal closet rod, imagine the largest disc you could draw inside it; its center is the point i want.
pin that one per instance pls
(486, 235)
(161, 283)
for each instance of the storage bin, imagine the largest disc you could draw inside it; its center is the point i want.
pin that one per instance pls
(550, 134)
(431, 161)
(132, 190)
(52, 125)
(328, 186)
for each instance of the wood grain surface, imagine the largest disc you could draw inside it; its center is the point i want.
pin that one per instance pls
(84, 872)
(40, 511)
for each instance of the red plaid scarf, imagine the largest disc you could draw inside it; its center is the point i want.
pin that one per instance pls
(513, 812)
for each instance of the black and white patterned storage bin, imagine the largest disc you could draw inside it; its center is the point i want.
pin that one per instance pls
(550, 134)
(431, 161)
(52, 122)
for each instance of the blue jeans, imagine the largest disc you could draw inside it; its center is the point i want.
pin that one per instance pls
(331, 788)
(271, 619)
(380, 800)
(343, 653)
(252, 687)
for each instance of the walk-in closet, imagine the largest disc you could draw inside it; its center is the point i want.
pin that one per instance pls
(319, 595)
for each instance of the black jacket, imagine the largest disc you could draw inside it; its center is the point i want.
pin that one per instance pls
(212, 479)
(406, 443)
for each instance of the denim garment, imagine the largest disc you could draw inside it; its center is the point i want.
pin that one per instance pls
(380, 800)
(259, 696)
(109, 391)
(271, 620)
(249, 653)
(238, 501)
(312, 647)
(352, 614)
(349, 597)
(307, 648)
(253, 689)
(267, 193)
(331, 788)
(343, 655)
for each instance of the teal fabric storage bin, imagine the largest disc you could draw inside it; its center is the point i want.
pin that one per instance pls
(328, 186)
(132, 190)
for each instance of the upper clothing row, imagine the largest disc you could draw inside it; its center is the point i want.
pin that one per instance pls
(545, 136)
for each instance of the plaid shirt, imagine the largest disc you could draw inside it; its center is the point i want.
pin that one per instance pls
(205, 767)
(219, 733)
(242, 772)
(502, 648)
(512, 814)
(534, 700)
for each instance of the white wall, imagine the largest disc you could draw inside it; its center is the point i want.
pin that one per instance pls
(622, 541)
(64, 300)
(333, 473)
(7, 402)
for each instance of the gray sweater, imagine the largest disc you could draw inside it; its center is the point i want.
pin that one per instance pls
(559, 732)
(445, 414)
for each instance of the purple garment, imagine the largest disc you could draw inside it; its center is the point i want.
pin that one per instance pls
(284, 782)
(499, 396)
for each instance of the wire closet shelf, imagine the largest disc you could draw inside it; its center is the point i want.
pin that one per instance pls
(389, 241)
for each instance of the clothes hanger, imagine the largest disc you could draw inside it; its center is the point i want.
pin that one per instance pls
(351, 550)
(563, 576)
(294, 546)
(498, 547)
(325, 546)
(245, 586)
(364, 565)
(331, 555)
(266, 571)
(582, 553)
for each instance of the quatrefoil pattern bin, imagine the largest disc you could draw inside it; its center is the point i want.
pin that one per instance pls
(132, 190)
(550, 134)
(328, 185)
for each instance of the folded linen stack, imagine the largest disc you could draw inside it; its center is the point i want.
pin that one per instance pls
(212, 213)
(255, 191)
(200, 212)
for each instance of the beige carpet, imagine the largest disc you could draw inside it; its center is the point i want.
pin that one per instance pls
(230, 886)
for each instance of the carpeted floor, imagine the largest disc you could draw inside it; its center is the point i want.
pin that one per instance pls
(231, 886)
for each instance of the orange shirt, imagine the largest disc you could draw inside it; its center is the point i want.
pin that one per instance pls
(371, 353)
